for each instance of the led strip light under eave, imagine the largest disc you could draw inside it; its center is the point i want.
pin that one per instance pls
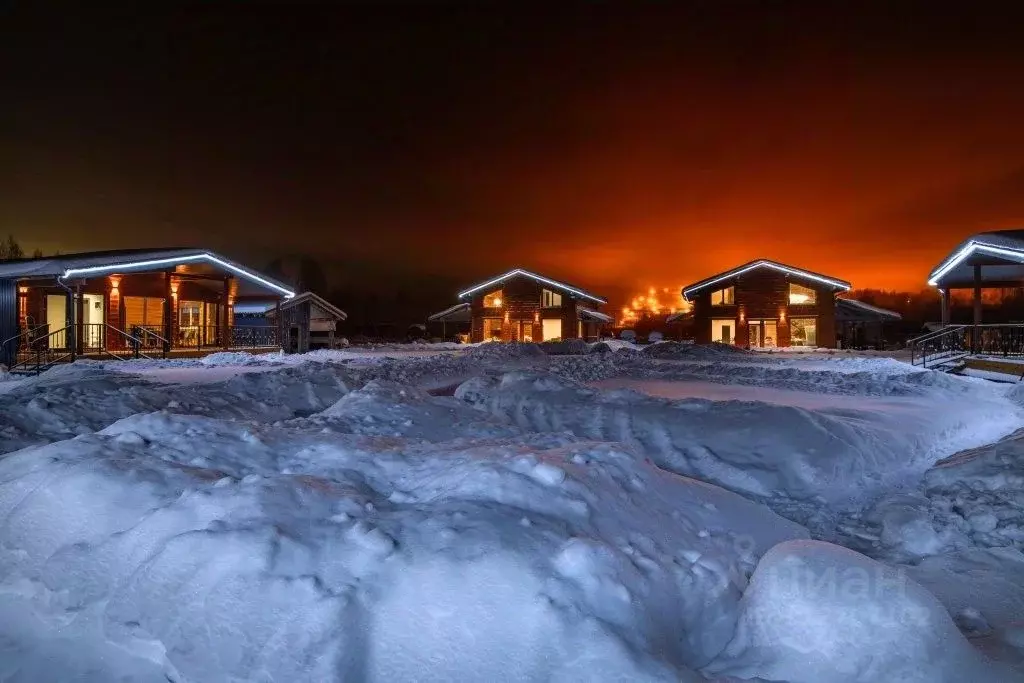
(134, 265)
(769, 264)
(971, 247)
(520, 271)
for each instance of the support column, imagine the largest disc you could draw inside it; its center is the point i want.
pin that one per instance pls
(944, 303)
(167, 329)
(280, 324)
(975, 345)
(225, 299)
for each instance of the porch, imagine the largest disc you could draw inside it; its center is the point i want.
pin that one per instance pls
(133, 305)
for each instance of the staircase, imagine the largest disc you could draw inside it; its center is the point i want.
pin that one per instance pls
(37, 349)
(949, 348)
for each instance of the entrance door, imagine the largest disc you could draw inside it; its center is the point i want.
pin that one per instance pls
(56, 319)
(754, 334)
(526, 331)
(93, 320)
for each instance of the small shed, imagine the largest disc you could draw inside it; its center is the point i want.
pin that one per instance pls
(306, 321)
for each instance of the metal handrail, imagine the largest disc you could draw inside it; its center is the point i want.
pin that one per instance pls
(954, 342)
(41, 348)
(136, 343)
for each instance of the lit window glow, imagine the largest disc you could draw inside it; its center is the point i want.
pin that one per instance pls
(723, 297)
(800, 295)
(494, 299)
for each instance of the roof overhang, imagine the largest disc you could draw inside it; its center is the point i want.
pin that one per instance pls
(539, 278)
(457, 313)
(590, 315)
(122, 266)
(1006, 255)
(840, 285)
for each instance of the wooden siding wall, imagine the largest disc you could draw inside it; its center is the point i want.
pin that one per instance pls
(521, 299)
(763, 294)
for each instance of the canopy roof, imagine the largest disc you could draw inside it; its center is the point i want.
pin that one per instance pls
(589, 315)
(98, 263)
(519, 272)
(690, 290)
(459, 313)
(1000, 255)
(851, 310)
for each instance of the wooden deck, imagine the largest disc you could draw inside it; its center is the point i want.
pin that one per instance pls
(1012, 368)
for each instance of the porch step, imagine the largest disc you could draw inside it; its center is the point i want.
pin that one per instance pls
(1013, 370)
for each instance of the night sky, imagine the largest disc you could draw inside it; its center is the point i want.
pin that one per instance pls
(616, 146)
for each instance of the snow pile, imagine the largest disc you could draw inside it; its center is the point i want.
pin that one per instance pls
(818, 613)
(674, 349)
(389, 535)
(507, 351)
(759, 449)
(567, 347)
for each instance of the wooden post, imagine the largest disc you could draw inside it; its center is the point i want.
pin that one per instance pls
(944, 298)
(975, 346)
(225, 342)
(167, 329)
(79, 325)
(280, 323)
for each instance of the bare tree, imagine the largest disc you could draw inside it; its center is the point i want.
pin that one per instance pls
(10, 249)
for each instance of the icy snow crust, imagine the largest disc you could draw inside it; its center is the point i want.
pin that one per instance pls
(487, 514)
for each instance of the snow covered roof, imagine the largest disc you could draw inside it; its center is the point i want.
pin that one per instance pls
(1004, 246)
(325, 306)
(457, 313)
(676, 317)
(123, 260)
(516, 272)
(764, 263)
(860, 310)
(593, 316)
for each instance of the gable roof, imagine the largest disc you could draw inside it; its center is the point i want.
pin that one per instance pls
(119, 261)
(539, 278)
(689, 290)
(1007, 244)
(316, 300)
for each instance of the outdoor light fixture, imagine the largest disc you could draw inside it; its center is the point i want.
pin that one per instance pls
(538, 278)
(496, 302)
(115, 282)
(175, 260)
(839, 284)
(971, 247)
(22, 290)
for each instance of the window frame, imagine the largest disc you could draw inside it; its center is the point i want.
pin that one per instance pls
(550, 298)
(801, 318)
(731, 290)
(813, 294)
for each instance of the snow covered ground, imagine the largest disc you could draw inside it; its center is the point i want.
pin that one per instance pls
(500, 513)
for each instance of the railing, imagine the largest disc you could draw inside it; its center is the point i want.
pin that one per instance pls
(43, 351)
(198, 336)
(150, 340)
(954, 342)
(254, 337)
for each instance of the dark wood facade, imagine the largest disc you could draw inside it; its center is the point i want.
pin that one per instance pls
(764, 310)
(523, 316)
(81, 304)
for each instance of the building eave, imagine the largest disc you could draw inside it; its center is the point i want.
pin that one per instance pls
(539, 278)
(838, 285)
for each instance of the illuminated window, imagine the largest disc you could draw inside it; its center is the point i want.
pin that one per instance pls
(803, 332)
(492, 329)
(723, 331)
(549, 299)
(552, 329)
(798, 294)
(493, 300)
(723, 297)
(143, 311)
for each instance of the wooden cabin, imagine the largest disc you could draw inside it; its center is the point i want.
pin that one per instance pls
(524, 306)
(764, 304)
(112, 302)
